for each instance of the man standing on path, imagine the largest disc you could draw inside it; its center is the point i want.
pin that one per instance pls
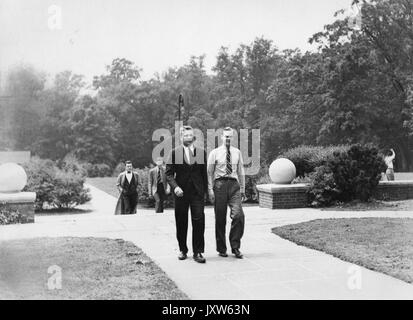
(127, 184)
(157, 185)
(186, 174)
(226, 187)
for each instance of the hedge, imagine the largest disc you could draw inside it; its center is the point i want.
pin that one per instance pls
(350, 175)
(56, 187)
(307, 158)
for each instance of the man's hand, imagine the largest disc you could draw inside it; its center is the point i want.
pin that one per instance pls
(243, 197)
(211, 196)
(178, 191)
(120, 190)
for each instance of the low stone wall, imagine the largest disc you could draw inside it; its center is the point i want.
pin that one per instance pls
(394, 190)
(22, 201)
(288, 196)
(284, 196)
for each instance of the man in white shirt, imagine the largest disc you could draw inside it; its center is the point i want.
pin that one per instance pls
(391, 155)
(226, 187)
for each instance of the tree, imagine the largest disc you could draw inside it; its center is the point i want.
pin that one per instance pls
(21, 107)
(56, 137)
(383, 49)
(120, 70)
(95, 133)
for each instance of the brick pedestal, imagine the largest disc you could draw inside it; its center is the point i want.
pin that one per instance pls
(22, 201)
(283, 196)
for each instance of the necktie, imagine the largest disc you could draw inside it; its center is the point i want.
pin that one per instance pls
(159, 176)
(191, 157)
(229, 164)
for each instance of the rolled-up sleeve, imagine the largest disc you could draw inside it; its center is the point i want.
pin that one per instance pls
(211, 170)
(241, 173)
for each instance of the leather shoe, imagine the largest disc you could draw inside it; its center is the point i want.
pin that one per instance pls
(182, 256)
(199, 258)
(223, 254)
(237, 253)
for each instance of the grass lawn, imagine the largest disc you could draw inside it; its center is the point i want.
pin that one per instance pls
(107, 184)
(92, 268)
(372, 205)
(381, 244)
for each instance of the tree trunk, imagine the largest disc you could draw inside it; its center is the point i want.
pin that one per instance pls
(403, 156)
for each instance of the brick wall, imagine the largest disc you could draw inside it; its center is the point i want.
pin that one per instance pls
(274, 196)
(283, 196)
(394, 190)
(25, 209)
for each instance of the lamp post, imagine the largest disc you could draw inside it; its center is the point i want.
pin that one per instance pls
(180, 104)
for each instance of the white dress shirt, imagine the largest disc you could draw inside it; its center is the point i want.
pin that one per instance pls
(217, 166)
(188, 157)
(389, 161)
(129, 176)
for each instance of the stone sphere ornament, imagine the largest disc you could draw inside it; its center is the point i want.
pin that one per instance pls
(13, 178)
(282, 171)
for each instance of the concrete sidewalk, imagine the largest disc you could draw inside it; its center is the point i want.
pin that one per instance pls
(273, 268)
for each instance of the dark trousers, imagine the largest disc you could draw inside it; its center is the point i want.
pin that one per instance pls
(227, 193)
(129, 203)
(159, 197)
(191, 199)
(390, 174)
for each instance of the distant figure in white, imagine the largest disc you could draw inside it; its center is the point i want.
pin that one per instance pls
(388, 159)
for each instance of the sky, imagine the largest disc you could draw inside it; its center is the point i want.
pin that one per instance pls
(154, 34)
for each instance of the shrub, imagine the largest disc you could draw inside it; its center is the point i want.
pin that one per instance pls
(251, 183)
(9, 217)
(350, 175)
(97, 170)
(40, 175)
(120, 167)
(357, 172)
(322, 190)
(68, 190)
(55, 187)
(71, 164)
(143, 186)
(307, 158)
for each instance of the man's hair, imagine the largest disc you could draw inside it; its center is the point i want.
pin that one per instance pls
(227, 129)
(128, 162)
(389, 152)
(186, 128)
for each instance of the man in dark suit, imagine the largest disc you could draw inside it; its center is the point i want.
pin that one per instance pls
(157, 185)
(186, 173)
(127, 184)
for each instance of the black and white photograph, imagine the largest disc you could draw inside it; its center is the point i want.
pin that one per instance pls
(206, 155)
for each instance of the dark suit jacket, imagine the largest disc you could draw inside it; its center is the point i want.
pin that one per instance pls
(119, 182)
(153, 180)
(179, 172)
